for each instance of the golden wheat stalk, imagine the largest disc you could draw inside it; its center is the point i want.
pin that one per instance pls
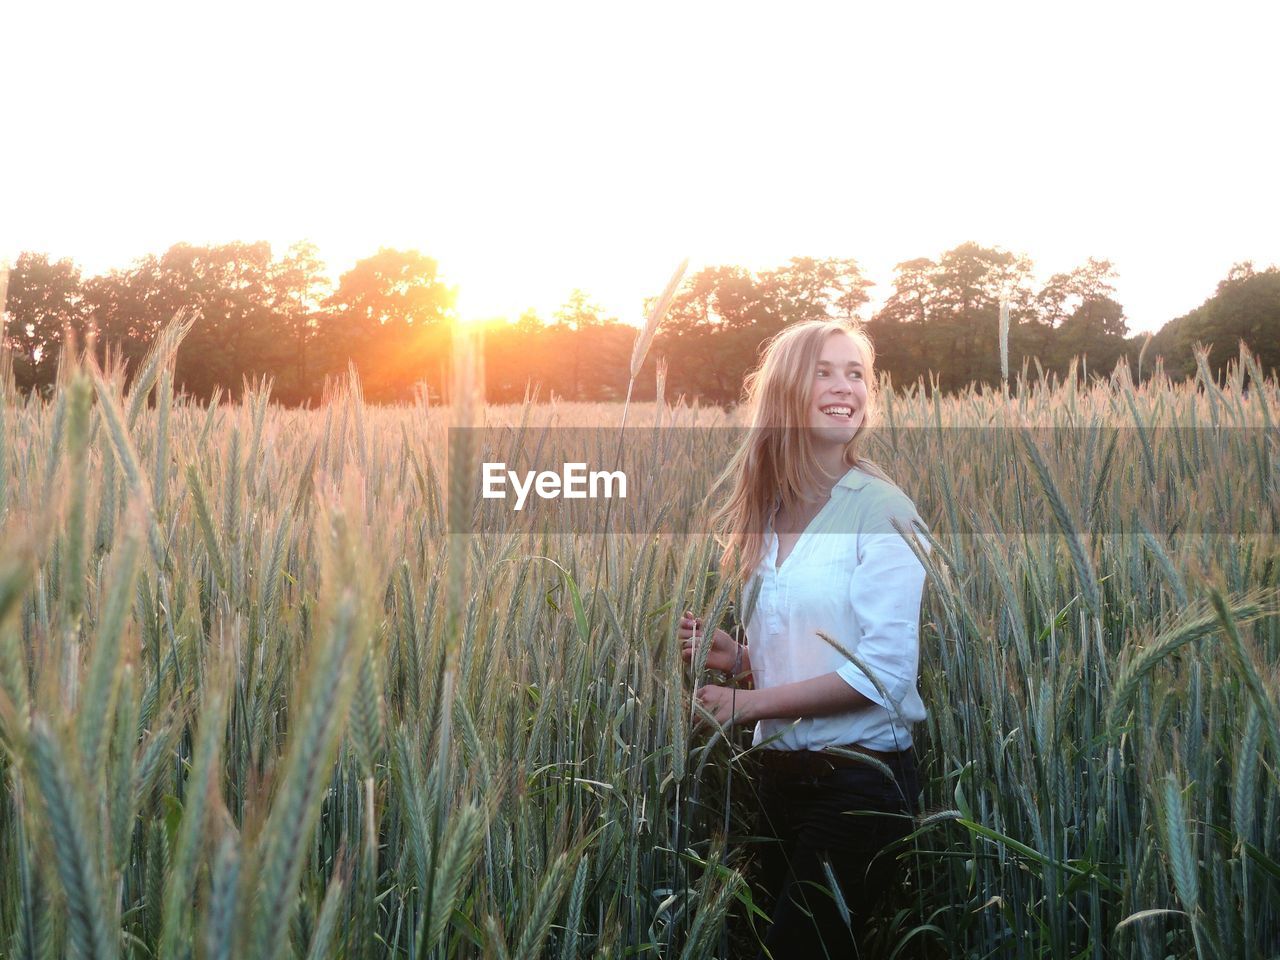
(644, 339)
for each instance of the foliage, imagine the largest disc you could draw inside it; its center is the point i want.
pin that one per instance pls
(1245, 307)
(943, 317)
(256, 315)
(236, 721)
(389, 317)
(45, 297)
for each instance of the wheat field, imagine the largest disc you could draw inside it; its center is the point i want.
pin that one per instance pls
(261, 696)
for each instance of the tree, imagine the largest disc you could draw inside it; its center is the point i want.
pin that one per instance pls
(236, 334)
(591, 351)
(971, 282)
(898, 328)
(391, 314)
(1095, 330)
(943, 316)
(808, 288)
(712, 331)
(515, 357)
(1245, 307)
(128, 306)
(913, 288)
(722, 315)
(1085, 320)
(299, 288)
(45, 299)
(1066, 292)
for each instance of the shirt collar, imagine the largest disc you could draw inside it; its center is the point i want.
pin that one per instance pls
(854, 480)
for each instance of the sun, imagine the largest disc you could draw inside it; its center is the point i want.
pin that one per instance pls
(484, 294)
(497, 287)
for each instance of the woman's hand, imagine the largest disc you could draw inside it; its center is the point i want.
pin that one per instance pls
(727, 705)
(725, 654)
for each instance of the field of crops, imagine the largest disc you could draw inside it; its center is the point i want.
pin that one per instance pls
(260, 697)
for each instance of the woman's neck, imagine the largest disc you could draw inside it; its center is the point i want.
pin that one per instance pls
(831, 461)
(831, 467)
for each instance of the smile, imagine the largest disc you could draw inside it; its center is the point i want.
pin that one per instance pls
(840, 411)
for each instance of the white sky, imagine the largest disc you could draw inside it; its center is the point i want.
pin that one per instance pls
(536, 147)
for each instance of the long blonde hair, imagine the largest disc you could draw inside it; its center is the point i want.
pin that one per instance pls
(775, 461)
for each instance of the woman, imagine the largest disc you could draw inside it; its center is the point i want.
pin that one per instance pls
(820, 526)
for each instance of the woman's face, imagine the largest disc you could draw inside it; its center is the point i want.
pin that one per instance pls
(838, 397)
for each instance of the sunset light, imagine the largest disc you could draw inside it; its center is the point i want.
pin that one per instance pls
(536, 149)
(707, 480)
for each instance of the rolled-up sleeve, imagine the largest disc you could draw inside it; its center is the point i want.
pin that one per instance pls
(885, 591)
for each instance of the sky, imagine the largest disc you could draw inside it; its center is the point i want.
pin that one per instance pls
(535, 148)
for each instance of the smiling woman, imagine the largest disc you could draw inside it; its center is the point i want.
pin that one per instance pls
(839, 394)
(832, 639)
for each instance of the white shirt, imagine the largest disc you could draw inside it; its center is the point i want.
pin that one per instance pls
(852, 576)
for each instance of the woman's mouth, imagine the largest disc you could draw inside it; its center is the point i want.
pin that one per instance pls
(838, 411)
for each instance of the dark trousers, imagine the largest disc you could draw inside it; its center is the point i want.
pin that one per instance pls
(832, 825)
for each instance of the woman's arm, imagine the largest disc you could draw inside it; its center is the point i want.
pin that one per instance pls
(823, 695)
(885, 591)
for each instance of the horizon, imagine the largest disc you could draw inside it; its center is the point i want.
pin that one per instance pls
(631, 312)
(534, 152)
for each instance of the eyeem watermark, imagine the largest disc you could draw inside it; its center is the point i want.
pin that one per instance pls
(573, 482)
(554, 479)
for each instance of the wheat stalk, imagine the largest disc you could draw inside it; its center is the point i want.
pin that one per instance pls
(323, 702)
(90, 925)
(201, 785)
(644, 339)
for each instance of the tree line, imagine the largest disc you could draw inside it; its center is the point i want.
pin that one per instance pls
(391, 316)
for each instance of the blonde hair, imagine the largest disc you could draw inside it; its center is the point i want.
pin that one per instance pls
(776, 461)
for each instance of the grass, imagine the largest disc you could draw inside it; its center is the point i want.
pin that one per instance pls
(256, 700)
